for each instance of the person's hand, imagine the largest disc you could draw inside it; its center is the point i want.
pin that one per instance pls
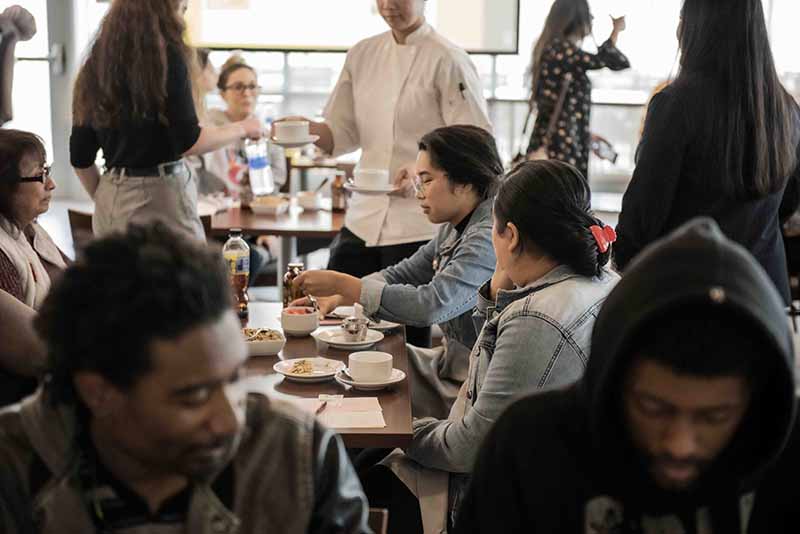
(22, 24)
(318, 283)
(253, 128)
(404, 181)
(619, 24)
(326, 304)
(500, 280)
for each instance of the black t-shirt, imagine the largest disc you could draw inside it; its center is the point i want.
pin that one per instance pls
(145, 142)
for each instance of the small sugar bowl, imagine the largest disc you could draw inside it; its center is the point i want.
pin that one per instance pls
(355, 328)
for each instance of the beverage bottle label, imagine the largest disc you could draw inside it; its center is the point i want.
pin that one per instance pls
(258, 162)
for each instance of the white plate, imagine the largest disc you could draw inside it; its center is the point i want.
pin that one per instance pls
(295, 144)
(342, 312)
(373, 190)
(336, 339)
(323, 369)
(383, 326)
(397, 376)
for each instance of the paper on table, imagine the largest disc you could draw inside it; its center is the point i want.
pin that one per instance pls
(351, 412)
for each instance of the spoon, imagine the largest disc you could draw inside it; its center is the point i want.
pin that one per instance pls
(321, 185)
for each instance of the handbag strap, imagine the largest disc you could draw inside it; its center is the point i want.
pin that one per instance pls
(562, 97)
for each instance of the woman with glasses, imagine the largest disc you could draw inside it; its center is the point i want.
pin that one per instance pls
(457, 170)
(238, 86)
(134, 99)
(29, 259)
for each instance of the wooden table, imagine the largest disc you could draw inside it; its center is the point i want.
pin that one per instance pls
(295, 223)
(395, 402)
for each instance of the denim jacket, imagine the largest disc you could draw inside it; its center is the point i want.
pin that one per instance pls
(533, 337)
(439, 283)
(291, 476)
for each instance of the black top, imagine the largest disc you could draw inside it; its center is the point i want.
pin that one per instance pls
(570, 139)
(675, 180)
(563, 461)
(148, 142)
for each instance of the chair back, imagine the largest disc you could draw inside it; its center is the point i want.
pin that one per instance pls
(378, 520)
(80, 225)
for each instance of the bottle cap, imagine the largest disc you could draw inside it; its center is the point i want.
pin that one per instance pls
(235, 232)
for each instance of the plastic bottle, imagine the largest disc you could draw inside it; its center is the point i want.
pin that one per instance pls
(237, 256)
(260, 170)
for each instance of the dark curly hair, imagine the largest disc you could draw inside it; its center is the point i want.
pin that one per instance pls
(125, 292)
(550, 203)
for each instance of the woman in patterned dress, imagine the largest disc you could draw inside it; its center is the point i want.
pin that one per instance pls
(557, 52)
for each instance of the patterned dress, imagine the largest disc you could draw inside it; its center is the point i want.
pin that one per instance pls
(570, 140)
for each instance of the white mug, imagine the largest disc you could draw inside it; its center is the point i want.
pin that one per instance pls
(370, 366)
(291, 130)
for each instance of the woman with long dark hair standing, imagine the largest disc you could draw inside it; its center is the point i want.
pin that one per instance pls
(721, 140)
(134, 98)
(556, 55)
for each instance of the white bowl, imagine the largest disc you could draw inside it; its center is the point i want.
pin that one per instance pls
(268, 347)
(299, 324)
(269, 205)
(291, 130)
(309, 200)
(370, 366)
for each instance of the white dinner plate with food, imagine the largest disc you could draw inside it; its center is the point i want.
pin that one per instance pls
(263, 341)
(337, 338)
(295, 143)
(371, 190)
(343, 378)
(316, 369)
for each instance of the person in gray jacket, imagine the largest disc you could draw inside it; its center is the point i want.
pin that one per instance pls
(535, 317)
(457, 170)
(144, 424)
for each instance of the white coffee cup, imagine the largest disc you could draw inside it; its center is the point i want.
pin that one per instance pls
(291, 131)
(370, 366)
(371, 178)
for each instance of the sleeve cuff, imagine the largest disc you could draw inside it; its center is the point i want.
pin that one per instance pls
(484, 301)
(371, 293)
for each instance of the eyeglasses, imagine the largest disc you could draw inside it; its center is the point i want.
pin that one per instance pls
(420, 184)
(241, 88)
(41, 178)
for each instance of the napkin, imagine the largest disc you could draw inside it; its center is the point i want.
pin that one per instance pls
(350, 412)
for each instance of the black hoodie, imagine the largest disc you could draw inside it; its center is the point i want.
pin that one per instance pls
(561, 462)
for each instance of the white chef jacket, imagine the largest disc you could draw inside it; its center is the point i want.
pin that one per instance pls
(388, 96)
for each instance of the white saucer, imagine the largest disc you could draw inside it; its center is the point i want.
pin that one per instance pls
(397, 376)
(383, 326)
(336, 339)
(323, 369)
(342, 312)
(297, 143)
(373, 190)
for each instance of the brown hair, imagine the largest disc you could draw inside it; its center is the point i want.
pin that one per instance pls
(125, 74)
(14, 144)
(234, 63)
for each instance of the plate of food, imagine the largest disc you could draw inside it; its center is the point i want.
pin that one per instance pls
(263, 341)
(316, 369)
(269, 205)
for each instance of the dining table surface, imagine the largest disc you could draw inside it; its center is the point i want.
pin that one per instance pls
(296, 222)
(395, 401)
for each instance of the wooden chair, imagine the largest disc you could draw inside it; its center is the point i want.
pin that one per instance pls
(80, 225)
(378, 520)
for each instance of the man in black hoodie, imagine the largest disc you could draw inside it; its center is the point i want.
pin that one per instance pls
(682, 423)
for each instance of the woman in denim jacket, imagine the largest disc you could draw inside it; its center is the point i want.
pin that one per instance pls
(457, 170)
(536, 316)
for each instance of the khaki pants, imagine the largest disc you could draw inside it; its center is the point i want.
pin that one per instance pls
(122, 199)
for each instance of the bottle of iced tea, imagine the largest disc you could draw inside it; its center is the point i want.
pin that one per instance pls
(237, 256)
(338, 193)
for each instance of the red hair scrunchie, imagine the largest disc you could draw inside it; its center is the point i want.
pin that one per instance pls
(604, 236)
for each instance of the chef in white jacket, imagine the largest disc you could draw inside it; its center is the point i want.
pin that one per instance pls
(394, 88)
